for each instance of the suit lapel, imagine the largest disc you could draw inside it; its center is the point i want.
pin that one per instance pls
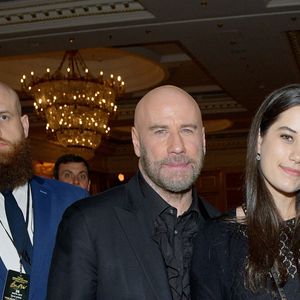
(132, 219)
(42, 223)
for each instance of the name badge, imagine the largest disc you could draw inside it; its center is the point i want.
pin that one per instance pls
(16, 286)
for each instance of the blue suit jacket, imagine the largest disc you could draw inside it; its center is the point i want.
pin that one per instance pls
(50, 198)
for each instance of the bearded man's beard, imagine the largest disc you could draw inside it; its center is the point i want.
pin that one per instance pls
(173, 182)
(16, 166)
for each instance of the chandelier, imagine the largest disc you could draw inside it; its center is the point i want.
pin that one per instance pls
(75, 104)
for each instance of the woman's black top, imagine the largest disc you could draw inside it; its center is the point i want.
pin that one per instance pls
(218, 265)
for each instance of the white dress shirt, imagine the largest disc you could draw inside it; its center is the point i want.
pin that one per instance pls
(8, 252)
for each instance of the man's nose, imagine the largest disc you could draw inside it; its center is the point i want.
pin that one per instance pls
(76, 180)
(176, 143)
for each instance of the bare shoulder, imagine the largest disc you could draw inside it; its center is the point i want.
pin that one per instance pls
(240, 215)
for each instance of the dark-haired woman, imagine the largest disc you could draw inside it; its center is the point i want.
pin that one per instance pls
(253, 252)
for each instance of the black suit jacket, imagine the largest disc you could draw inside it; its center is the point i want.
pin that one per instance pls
(104, 251)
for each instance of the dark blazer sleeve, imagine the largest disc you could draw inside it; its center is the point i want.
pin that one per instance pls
(73, 271)
(207, 272)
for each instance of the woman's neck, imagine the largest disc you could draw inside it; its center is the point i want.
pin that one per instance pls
(286, 207)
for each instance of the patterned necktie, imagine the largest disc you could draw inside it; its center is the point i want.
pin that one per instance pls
(18, 230)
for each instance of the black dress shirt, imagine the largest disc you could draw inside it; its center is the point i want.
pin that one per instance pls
(173, 236)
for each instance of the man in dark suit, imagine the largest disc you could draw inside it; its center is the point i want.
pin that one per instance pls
(30, 208)
(135, 241)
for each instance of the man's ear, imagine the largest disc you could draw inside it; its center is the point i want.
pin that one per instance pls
(25, 125)
(135, 141)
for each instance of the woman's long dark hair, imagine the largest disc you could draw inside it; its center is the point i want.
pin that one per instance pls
(263, 218)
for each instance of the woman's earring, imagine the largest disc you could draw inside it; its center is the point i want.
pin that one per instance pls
(257, 156)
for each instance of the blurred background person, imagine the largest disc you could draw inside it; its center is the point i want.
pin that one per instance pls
(253, 253)
(72, 169)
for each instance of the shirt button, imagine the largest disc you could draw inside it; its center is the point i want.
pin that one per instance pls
(175, 231)
(172, 211)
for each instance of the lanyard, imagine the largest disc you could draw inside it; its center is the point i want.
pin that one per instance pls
(25, 257)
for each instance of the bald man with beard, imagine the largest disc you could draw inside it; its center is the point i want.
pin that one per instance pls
(39, 204)
(135, 241)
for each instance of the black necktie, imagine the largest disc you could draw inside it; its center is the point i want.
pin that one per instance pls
(18, 229)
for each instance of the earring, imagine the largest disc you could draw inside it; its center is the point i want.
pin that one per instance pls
(257, 156)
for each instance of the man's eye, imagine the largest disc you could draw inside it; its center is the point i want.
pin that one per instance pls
(160, 131)
(187, 130)
(82, 176)
(3, 117)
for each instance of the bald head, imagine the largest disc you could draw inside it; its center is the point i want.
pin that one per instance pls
(9, 95)
(165, 97)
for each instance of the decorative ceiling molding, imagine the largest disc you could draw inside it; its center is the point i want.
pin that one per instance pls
(23, 15)
(220, 105)
(212, 104)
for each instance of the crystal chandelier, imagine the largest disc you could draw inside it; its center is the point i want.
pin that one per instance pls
(76, 105)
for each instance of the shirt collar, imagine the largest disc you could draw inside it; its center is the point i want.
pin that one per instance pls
(153, 202)
(156, 204)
